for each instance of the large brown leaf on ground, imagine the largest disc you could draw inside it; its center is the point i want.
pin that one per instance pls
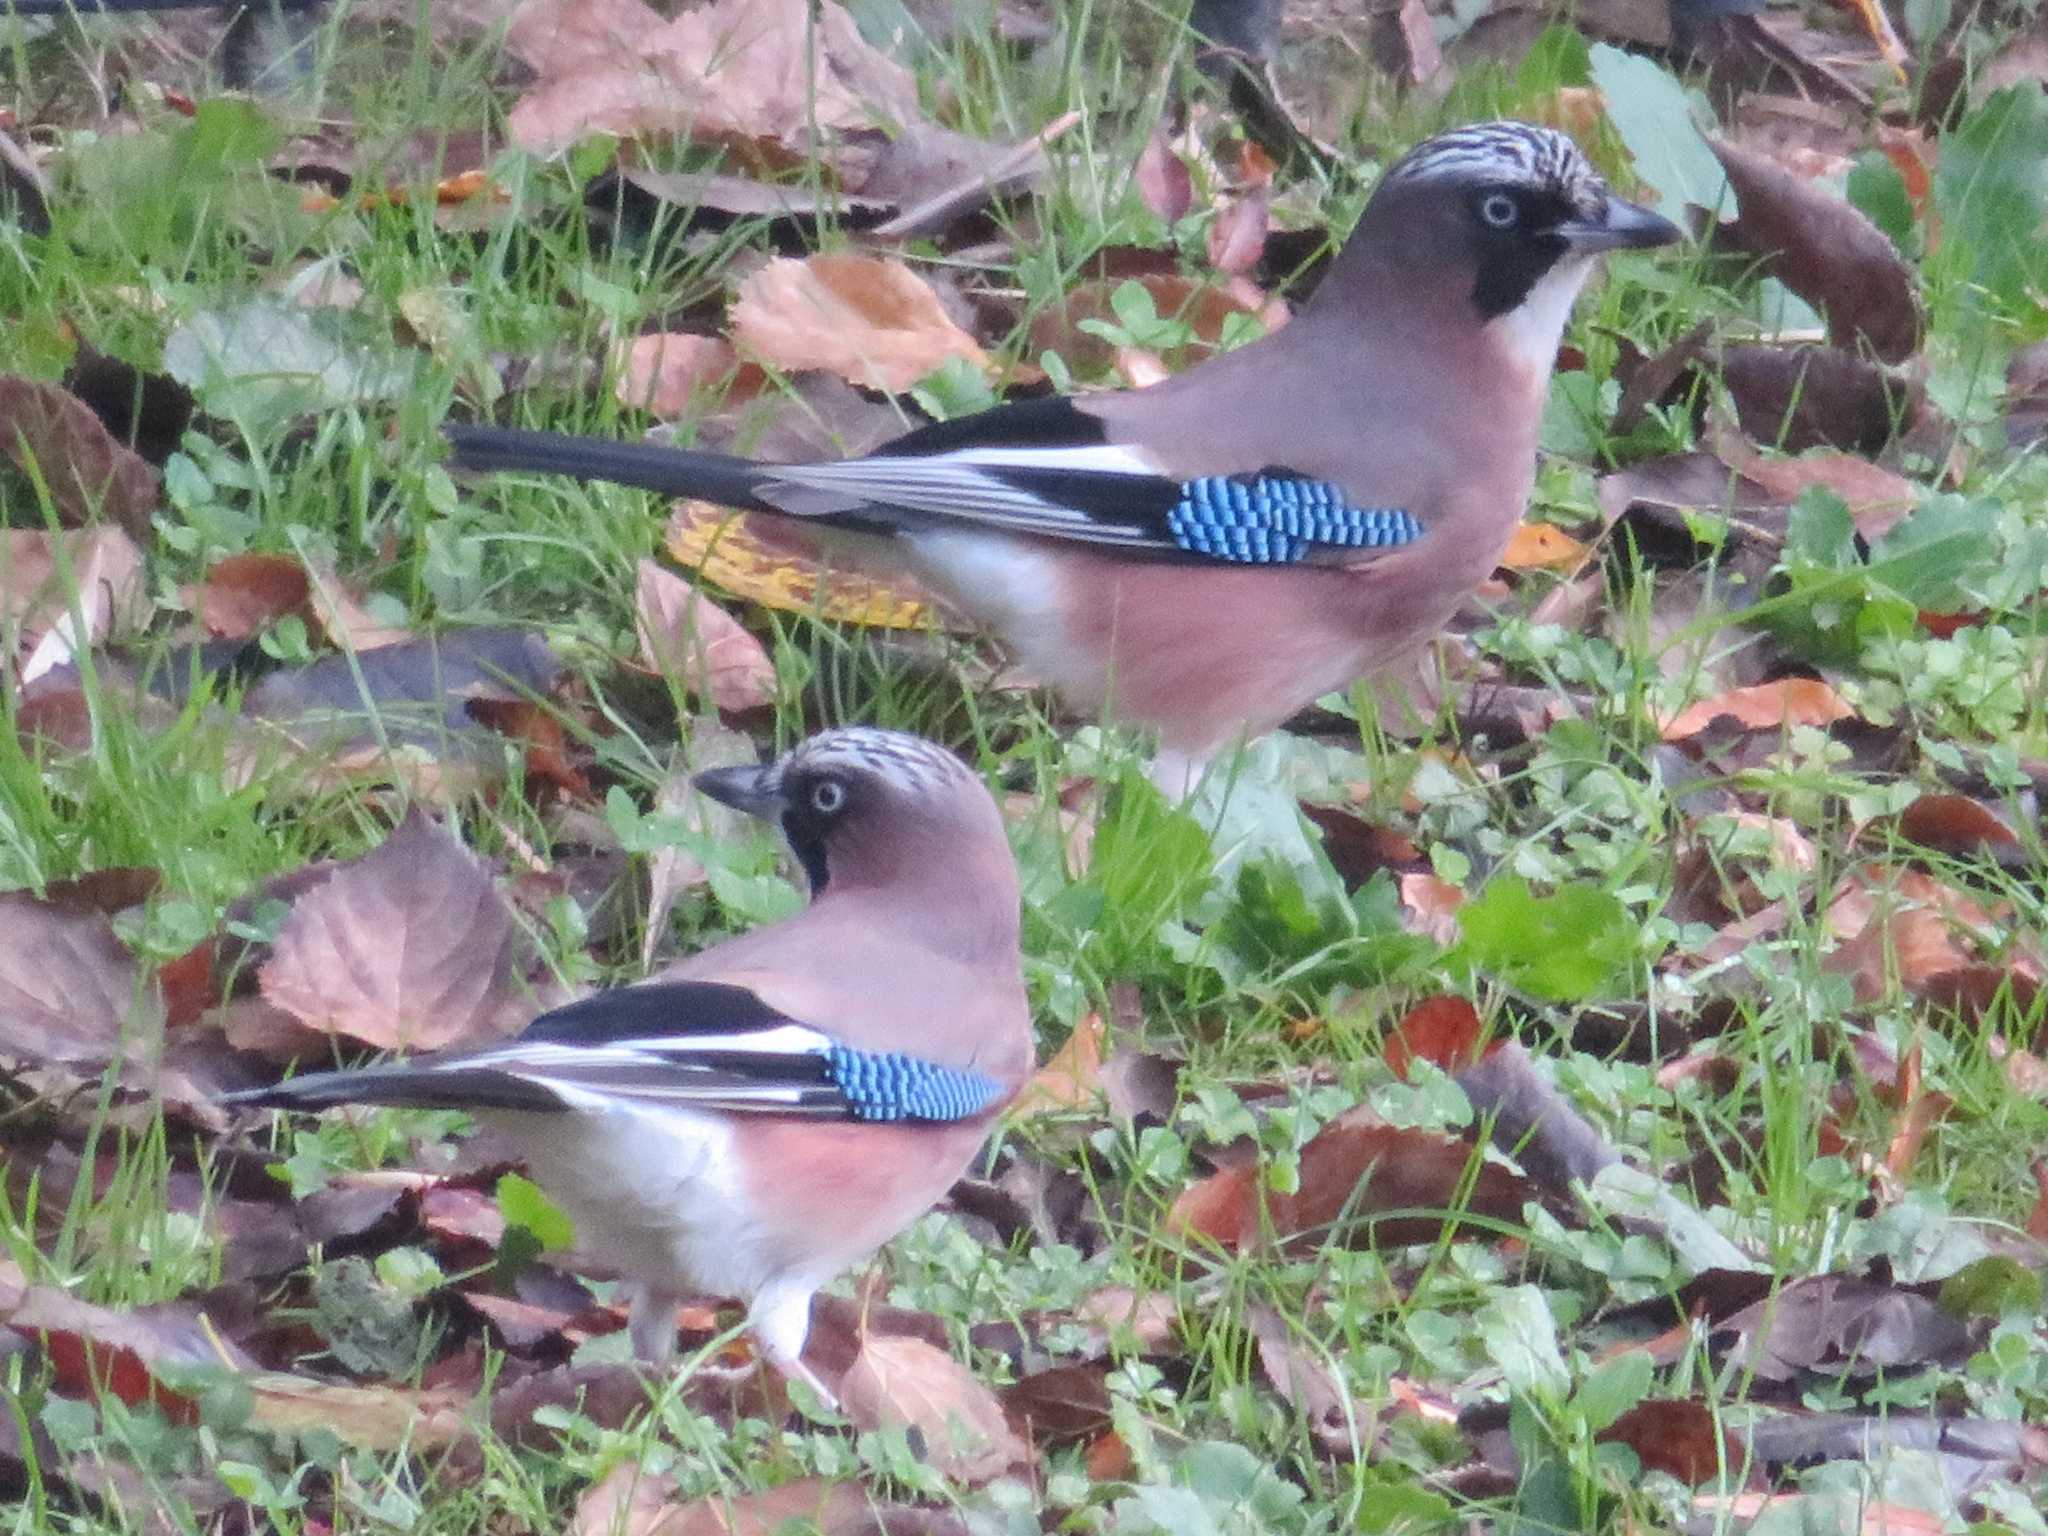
(869, 319)
(905, 1382)
(69, 990)
(761, 75)
(1768, 706)
(1373, 1185)
(409, 948)
(53, 434)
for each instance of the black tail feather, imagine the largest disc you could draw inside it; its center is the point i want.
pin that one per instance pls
(405, 1088)
(715, 477)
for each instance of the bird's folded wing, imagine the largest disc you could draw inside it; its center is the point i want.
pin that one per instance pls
(681, 1044)
(1104, 496)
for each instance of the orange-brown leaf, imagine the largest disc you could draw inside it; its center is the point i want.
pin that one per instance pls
(1768, 706)
(869, 319)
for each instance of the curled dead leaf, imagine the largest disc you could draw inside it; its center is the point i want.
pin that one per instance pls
(1785, 703)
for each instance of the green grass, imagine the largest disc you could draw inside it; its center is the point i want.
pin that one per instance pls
(1276, 992)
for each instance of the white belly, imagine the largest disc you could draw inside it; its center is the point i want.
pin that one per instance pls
(655, 1195)
(1012, 590)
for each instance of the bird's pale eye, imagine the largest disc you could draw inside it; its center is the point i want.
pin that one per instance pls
(827, 797)
(1499, 210)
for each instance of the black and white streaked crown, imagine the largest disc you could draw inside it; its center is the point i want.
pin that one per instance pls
(910, 762)
(1506, 151)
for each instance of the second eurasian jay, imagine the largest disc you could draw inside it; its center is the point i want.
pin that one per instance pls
(1211, 554)
(767, 1113)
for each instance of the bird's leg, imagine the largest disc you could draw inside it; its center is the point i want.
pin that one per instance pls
(651, 1322)
(780, 1318)
(1175, 774)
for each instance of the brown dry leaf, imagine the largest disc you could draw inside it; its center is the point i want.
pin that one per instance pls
(722, 548)
(1841, 1325)
(1390, 1186)
(1238, 237)
(70, 991)
(629, 1502)
(1922, 1109)
(869, 319)
(1826, 251)
(1164, 183)
(761, 76)
(906, 1382)
(1959, 826)
(2037, 1217)
(245, 594)
(684, 635)
(665, 373)
(1809, 397)
(51, 433)
(411, 947)
(1543, 547)
(1907, 925)
(1876, 498)
(1444, 1031)
(1429, 906)
(344, 617)
(39, 574)
(1062, 1404)
(1768, 706)
(94, 1349)
(1072, 1079)
(1683, 1438)
(371, 1418)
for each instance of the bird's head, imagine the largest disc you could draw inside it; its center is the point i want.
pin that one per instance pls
(1505, 220)
(869, 809)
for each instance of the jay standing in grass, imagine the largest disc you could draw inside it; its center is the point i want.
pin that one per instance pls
(1209, 555)
(766, 1114)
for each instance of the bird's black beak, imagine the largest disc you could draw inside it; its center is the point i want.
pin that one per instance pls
(757, 790)
(1624, 226)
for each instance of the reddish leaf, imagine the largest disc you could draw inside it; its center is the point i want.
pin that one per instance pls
(245, 594)
(666, 374)
(1768, 706)
(538, 729)
(69, 990)
(1238, 237)
(1683, 1439)
(1164, 184)
(1956, 825)
(95, 1349)
(1444, 1031)
(409, 948)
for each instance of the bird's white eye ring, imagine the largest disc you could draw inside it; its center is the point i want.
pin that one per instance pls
(827, 796)
(1499, 210)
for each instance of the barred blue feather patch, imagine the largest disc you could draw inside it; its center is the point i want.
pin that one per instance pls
(1268, 520)
(888, 1085)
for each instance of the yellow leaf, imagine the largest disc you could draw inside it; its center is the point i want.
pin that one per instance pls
(717, 544)
(1542, 547)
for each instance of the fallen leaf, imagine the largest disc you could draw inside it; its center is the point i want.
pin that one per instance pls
(410, 947)
(1164, 183)
(906, 1383)
(1071, 1079)
(1825, 250)
(47, 430)
(869, 319)
(1388, 1186)
(1767, 706)
(763, 77)
(633, 1502)
(665, 374)
(69, 989)
(245, 594)
(1801, 397)
(1876, 498)
(1960, 827)
(1682, 1438)
(1444, 1031)
(370, 1418)
(1237, 240)
(720, 546)
(64, 593)
(93, 1349)
(1543, 547)
(686, 636)
(1061, 1404)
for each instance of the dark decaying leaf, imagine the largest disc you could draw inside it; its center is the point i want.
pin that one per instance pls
(1310, 1385)
(51, 432)
(1796, 398)
(1061, 1405)
(1826, 251)
(1840, 1325)
(94, 1349)
(70, 992)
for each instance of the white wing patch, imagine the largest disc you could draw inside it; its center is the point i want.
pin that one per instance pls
(954, 486)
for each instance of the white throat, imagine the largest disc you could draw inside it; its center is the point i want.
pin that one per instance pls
(1531, 331)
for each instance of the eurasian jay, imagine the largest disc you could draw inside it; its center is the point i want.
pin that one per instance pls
(765, 1114)
(1210, 554)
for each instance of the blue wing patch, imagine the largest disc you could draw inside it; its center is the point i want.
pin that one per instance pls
(1271, 520)
(888, 1085)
